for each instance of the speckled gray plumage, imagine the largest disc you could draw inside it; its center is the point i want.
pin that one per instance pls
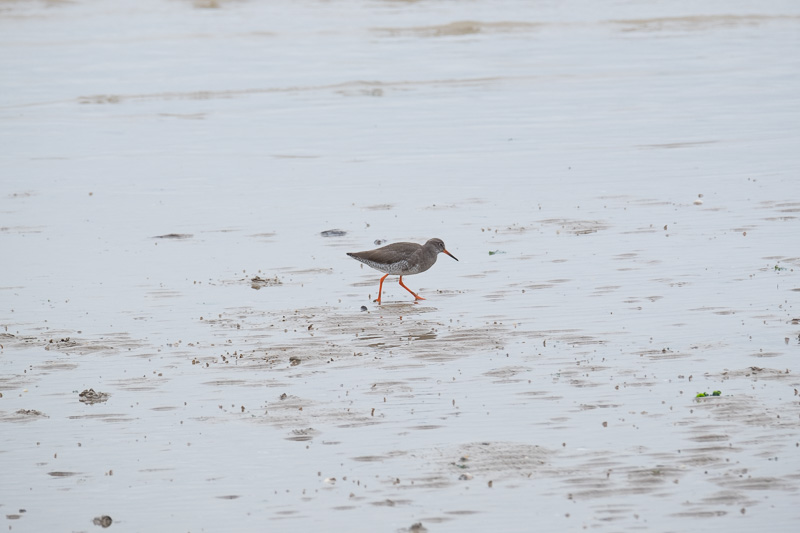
(402, 258)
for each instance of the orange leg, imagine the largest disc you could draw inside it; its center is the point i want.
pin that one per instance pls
(416, 296)
(380, 289)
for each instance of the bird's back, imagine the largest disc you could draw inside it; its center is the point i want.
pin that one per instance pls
(401, 258)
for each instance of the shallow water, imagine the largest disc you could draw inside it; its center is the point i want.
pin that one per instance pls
(618, 181)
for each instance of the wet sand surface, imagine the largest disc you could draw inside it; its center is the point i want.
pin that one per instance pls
(185, 346)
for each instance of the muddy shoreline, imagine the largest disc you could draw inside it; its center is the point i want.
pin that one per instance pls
(185, 345)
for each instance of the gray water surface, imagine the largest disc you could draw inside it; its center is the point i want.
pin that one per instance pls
(618, 180)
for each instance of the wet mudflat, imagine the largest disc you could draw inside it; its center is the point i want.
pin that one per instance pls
(183, 341)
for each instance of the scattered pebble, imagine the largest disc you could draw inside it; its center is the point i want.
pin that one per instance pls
(102, 521)
(31, 412)
(90, 396)
(333, 233)
(176, 236)
(258, 282)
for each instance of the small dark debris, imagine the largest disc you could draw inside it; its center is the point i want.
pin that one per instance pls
(102, 521)
(417, 528)
(334, 233)
(31, 412)
(258, 282)
(176, 236)
(378, 242)
(283, 396)
(364, 308)
(90, 396)
(294, 360)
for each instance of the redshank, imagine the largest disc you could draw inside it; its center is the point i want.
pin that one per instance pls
(402, 259)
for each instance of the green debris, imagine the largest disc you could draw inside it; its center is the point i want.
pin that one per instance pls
(777, 268)
(705, 394)
(496, 252)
